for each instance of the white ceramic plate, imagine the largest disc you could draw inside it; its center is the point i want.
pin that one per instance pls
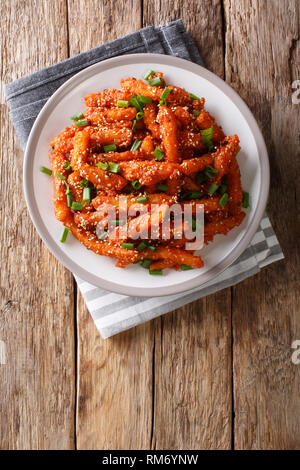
(229, 110)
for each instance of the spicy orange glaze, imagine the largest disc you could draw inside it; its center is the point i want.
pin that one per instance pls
(157, 155)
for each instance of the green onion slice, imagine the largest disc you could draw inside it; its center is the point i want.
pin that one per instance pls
(156, 272)
(209, 171)
(164, 96)
(114, 167)
(67, 166)
(102, 165)
(246, 198)
(76, 117)
(64, 235)
(69, 199)
(148, 74)
(223, 188)
(142, 199)
(122, 104)
(152, 248)
(110, 148)
(193, 97)
(144, 99)
(82, 122)
(196, 112)
(77, 206)
(212, 189)
(146, 263)
(139, 116)
(185, 267)
(135, 103)
(207, 138)
(158, 154)
(156, 81)
(136, 184)
(87, 195)
(162, 187)
(135, 145)
(223, 200)
(84, 183)
(62, 177)
(128, 246)
(46, 170)
(133, 125)
(141, 246)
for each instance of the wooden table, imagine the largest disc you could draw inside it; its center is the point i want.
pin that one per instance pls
(216, 374)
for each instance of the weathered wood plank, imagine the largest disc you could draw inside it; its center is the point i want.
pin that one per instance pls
(37, 382)
(114, 376)
(262, 59)
(192, 345)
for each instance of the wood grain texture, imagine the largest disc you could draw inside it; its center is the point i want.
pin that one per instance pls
(114, 406)
(36, 322)
(266, 307)
(193, 345)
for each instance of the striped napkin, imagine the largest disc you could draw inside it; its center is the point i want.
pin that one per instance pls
(113, 313)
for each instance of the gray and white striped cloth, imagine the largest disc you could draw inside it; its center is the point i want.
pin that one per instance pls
(113, 313)
(26, 96)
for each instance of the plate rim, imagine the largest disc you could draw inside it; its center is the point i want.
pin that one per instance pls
(148, 291)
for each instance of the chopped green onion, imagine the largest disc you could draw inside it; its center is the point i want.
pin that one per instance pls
(185, 267)
(64, 235)
(86, 195)
(67, 188)
(156, 81)
(156, 272)
(82, 122)
(141, 246)
(246, 198)
(193, 97)
(162, 187)
(45, 170)
(223, 201)
(128, 246)
(62, 177)
(67, 166)
(192, 195)
(139, 116)
(114, 167)
(136, 184)
(78, 116)
(135, 103)
(196, 112)
(84, 183)
(102, 235)
(135, 145)
(144, 99)
(133, 125)
(117, 222)
(148, 74)
(142, 199)
(212, 189)
(110, 148)
(122, 104)
(223, 188)
(69, 199)
(152, 248)
(158, 154)
(207, 138)
(77, 206)
(164, 95)
(146, 263)
(102, 165)
(209, 171)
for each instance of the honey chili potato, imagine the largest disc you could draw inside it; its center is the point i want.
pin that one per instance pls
(152, 144)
